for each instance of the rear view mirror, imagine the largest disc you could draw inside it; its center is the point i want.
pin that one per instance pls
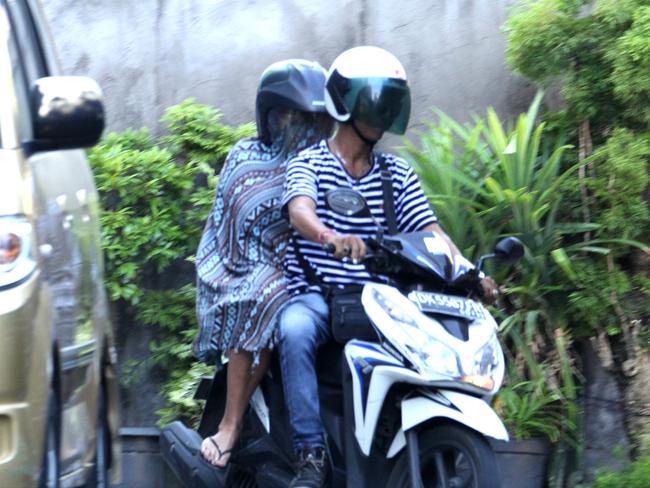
(345, 201)
(509, 250)
(67, 113)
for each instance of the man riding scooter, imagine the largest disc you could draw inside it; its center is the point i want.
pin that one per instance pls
(368, 94)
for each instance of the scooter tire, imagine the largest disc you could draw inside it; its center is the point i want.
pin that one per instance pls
(468, 459)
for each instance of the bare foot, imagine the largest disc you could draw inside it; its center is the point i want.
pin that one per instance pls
(218, 448)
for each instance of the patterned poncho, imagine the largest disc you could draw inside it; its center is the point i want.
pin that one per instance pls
(241, 287)
(240, 284)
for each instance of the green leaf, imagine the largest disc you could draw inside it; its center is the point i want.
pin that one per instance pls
(562, 259)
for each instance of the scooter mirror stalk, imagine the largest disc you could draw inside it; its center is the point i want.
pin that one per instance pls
(482, 259)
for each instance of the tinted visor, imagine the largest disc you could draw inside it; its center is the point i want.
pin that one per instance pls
(380, 103)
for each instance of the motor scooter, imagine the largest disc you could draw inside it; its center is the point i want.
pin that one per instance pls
(411, 408)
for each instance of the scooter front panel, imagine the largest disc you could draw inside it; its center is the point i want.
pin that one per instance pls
(468, 410)
(374, 371)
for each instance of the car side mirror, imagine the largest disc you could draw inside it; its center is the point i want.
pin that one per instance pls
(67, 113)
(509, 250)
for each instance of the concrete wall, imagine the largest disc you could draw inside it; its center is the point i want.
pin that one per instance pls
(150, 54)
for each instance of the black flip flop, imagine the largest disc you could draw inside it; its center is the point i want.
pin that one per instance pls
(219, 452)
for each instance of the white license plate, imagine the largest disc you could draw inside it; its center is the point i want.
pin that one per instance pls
(447, 304)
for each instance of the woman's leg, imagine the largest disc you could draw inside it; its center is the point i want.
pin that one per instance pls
(241, 385)
(258, 373)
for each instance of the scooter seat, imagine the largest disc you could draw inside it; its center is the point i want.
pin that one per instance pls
(329, 364)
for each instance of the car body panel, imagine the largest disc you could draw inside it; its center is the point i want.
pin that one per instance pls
(54, 326)
(23, 398)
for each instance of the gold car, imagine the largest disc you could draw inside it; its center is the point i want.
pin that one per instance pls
(58, 394)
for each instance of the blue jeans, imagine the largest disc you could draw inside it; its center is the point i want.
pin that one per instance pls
(304, 327)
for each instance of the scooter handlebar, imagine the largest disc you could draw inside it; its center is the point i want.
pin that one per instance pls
(331, 248)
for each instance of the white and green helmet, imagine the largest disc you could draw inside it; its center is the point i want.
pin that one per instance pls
(368, 84)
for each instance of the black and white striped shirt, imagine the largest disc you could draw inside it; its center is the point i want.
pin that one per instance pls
(314, 172)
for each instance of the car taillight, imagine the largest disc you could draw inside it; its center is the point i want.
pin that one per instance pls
(17, 260)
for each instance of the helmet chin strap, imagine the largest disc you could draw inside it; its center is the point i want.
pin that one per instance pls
(369, 142)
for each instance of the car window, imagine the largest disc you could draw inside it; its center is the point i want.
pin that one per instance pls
(4, 34)
(21, 127)
(28, 40)
(20, 88)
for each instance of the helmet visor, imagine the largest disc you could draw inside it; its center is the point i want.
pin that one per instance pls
(380, 103)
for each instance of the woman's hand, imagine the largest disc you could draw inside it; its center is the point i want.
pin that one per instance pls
(351, 247)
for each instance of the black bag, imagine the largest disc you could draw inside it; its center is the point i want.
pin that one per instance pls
(348, 319)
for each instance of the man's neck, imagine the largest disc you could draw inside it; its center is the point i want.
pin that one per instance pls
(353, 152)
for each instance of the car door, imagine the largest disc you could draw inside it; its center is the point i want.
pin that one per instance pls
(65, 209)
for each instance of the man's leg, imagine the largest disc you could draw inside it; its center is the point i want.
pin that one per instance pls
(304, 327)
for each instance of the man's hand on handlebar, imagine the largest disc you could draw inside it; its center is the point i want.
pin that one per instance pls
(490, 290)
(343, 246)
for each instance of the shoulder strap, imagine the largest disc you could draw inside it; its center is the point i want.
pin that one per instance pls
(310, 273)
(387, 189)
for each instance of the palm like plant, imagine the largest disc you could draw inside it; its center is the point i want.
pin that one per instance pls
(451, 158)
(490, 180)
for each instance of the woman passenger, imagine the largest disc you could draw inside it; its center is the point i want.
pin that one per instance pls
(240, 282)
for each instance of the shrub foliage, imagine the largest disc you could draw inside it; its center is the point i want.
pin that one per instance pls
(598, 51)
(156, 194)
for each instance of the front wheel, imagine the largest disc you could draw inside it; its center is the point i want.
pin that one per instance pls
(451, 456)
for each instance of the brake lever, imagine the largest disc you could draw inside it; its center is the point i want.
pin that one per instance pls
(369, 255)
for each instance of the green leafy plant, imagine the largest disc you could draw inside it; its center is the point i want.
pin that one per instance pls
(179, 391)
(531, 409)
(636, 475)
(597, 51)
(621, 176)
(446, 154)
(156, 194)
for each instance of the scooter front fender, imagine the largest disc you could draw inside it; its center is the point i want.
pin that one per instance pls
(459, 407)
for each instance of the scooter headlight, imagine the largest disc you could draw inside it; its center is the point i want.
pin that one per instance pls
(486, 372)
(418, 338)
(437, 358)
(416, 341)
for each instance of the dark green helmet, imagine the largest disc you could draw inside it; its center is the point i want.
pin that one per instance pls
(293, 84)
